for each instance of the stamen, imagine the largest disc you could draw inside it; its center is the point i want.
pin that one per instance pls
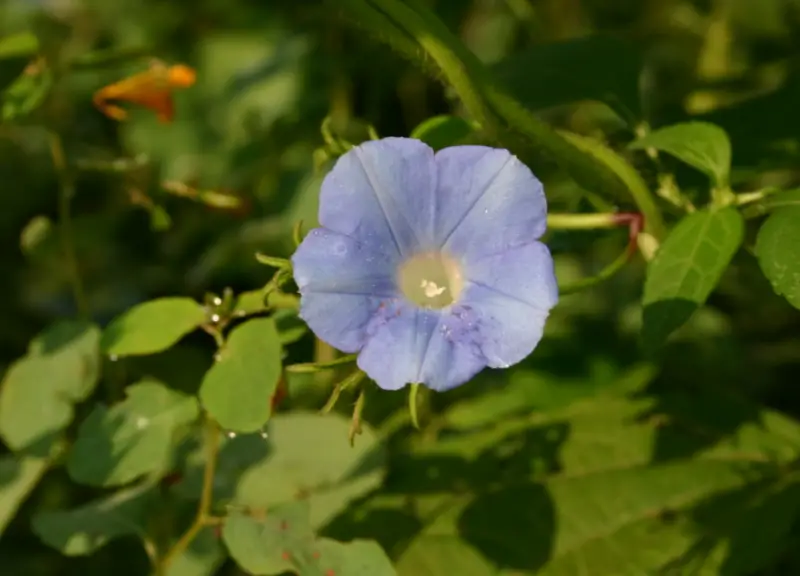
(430, 280)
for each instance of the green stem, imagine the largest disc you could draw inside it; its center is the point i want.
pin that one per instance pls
(308, 367)
(204, 517)
(66, 192)
(583, 221)
(606, 273)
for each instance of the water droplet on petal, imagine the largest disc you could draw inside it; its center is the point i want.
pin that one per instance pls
(230, 434)
(217, 301)
(215, 318)
(264, 434)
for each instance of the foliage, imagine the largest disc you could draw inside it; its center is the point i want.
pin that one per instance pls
(165, 411)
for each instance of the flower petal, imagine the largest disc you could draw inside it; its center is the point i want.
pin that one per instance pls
(382, 191)
(409, 344)
(511, 295)
(342, 282)
(487, 201)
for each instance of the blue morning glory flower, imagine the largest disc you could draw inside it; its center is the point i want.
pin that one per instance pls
(428, 265)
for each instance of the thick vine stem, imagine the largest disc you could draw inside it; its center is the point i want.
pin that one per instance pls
(410, 25)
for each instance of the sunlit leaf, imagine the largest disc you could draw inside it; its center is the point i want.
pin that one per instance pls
(528, 390)
(117, 445)
(548, 493)
(237, 389)
(699, 144)
(39, 390)
(18, 45)
(310, 458)
(152, 326)
(269, 543)
(82, 531)
(778, 251)
(687, 268)
(282, 540)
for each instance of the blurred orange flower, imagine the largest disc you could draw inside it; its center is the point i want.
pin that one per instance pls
(152, 89)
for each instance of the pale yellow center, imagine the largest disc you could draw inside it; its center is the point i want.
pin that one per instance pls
(430, 280)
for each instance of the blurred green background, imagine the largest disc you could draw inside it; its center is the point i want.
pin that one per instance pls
(268, 73)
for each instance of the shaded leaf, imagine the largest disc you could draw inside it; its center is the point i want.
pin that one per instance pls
(778, 251)
(82, 531)
(237, 389)
(442, 131)
(601, 68)
(19, 475)
(310, 458)
(702, 145)
(117, 445)
(152, 326)
(687, 268)
(39, 390)
(236, 455)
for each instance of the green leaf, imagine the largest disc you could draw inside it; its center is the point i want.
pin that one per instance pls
(700, 144)
(36, 231)
(442, 131)
(269, 543)
(354, 558)
(237, 389)
(39, 390)
(529, 390)
(547, 493)
(778, 251)
(26, 93)
(310, 458)
(687, 268)
(117, 445)
(282, 540)
(18, 45)
(601, 68)
(83, 531)
(204, 556)
(152, 326)
(18, 477)
(443, 555)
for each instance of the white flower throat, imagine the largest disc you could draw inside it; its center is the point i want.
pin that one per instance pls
(430, 280)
